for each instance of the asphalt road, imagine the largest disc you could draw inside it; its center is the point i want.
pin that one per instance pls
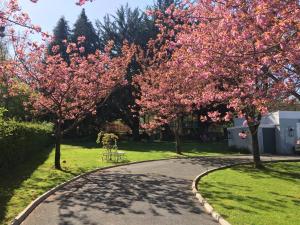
(151, 193)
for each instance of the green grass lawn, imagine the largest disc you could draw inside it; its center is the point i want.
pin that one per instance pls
(244, 195)
(20, 186)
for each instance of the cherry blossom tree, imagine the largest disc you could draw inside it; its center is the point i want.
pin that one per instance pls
(70, 91)
(166, 97)
(67, 91)
(242, 53)
(163, 86)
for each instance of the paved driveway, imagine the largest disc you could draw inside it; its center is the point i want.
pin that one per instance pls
(151, 193)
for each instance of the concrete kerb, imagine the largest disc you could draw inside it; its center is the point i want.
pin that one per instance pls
(25, 213)
(208, 208)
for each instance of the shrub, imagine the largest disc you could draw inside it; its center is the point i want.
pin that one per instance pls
(19, 140)
(99, 137)
(109, 140)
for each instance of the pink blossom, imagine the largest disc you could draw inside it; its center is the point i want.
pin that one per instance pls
(242, 135)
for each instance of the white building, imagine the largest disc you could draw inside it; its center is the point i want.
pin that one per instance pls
(277, 134)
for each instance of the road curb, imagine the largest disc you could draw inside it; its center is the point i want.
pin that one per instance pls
(26, 212)
(208, 208)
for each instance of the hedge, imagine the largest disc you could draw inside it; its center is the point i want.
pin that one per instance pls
(20, 140)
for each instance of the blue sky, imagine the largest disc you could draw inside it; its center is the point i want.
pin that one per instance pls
(47, 12)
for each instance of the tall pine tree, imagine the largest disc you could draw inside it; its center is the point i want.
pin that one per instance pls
(162, 5)
(83, 27)
(61, 33)
(135, 27)
(127, 24)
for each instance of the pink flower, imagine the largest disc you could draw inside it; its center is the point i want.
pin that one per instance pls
(245, 123)
(55, 49)
(243, 135)
(228, 116)
(81, 39)
(81, 49)
(81, 2)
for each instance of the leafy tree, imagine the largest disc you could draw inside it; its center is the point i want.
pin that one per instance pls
(163, 5)
(70, 91)
(135, 27)
(239, 53)
(9, 99)
(83, 27)
(127, 24)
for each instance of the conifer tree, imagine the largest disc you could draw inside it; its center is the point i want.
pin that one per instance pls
(135, 27)
(61, 34)
(83, 27)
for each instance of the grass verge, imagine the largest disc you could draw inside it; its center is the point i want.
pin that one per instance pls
(27, 181)
(247, 196)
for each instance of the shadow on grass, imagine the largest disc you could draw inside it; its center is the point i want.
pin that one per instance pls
(224, 191)
(244, 198)
(189, 147)
(285, 171)
(11, 179)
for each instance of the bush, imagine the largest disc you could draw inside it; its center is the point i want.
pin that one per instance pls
(19, 140)
(99, 137)
(108, 140)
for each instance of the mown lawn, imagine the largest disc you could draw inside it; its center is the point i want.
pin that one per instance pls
(246, 196)
(20, 186)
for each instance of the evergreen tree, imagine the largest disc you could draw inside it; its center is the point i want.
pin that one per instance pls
(127, 24)
(136, 27)
(162, 5)
(83, 27)
(61, 33)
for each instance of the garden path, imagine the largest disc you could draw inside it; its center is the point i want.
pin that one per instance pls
(151, 193)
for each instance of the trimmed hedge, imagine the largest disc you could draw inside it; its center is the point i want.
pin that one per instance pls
(20, 140)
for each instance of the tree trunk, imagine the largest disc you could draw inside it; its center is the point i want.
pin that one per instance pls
(58, 137)
(136, 129)
(256, 154)
(178, 142)
(177, 134)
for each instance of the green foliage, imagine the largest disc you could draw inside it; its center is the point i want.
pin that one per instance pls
(19, 140)
(61, 33)
(109, 140)
(84, 27)
(2, 123)
(14, 103)
(127, 24)
(134, 26)
(99, 137)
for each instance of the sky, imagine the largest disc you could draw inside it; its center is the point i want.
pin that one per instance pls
(46, 13)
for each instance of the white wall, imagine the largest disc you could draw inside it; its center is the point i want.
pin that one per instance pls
(287, 142)
(270, 119)
(281, 120)
(234, 140)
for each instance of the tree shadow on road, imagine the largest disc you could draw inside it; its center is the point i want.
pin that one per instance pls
(120, 194)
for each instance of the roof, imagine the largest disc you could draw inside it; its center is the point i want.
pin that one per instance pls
(289, 114)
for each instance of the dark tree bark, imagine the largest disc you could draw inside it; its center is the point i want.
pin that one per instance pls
(58, 137)
(136, 129)
(256, 154)
(178, 135)
(178, 143)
